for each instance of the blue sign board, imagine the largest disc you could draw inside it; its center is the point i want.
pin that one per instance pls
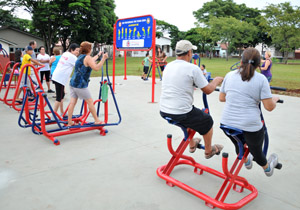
(134, 33)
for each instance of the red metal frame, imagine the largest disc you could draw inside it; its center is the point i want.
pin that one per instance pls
(230, 177)
(152, 48)
(43, 114)
(31, 104)
(10, 86)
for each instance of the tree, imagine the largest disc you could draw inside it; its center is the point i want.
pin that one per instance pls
(284, 26)
(228, 8)
(72, 20)
(175, 34)
(232, 32)
(8, 19)
(201, 37)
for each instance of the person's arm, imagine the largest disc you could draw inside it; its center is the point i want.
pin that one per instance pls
(222, 97)
(212, 86)
(42, 60)
(270, 103)
(91, 63)
(267, 64)
(96, 56)
(53, 58)
(150, 60)
(35, 62)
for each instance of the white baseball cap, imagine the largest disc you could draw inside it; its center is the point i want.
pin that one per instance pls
(184, 46)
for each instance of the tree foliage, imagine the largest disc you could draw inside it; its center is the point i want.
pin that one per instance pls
(173, 31)
(283, 22)
(233, 32)
(228, 8)
(7, 19)
(201, 37)
(72, 20)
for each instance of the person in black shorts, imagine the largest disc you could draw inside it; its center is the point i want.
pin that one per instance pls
(176, 101)
(146, 62)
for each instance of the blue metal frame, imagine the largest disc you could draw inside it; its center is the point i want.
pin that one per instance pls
(150, 70)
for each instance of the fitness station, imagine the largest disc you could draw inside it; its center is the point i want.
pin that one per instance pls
(149, 161)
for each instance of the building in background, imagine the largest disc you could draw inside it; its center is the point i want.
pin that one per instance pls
(19, 39)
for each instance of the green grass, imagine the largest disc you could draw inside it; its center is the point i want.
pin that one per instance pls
(287, 76)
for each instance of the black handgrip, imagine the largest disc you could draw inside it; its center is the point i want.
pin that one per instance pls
(278, 88)
(217, 89)
(280, 101)
(278, 166)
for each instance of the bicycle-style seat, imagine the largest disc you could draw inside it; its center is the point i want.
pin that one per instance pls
(183, 128)
(237, 134)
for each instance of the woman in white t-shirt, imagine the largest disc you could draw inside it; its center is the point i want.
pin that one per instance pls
(44, 58)
(62, 74)
(243, 90)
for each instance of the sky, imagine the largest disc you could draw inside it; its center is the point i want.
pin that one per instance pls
(178, 14)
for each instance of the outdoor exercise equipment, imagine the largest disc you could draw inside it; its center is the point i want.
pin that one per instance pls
(135, 34)
(48, 123)
(26, 90)
(195, 58)
(230, 177)
(12, 77)
(235, 66)
(3, 51)
(158, 69)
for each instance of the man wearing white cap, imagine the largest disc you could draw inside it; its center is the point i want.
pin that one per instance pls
(176, 101)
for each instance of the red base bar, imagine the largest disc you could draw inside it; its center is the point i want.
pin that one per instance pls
(231, 177)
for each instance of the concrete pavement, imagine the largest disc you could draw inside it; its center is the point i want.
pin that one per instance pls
(118, 171)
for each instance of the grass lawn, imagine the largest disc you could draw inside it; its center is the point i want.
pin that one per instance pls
(287, 76)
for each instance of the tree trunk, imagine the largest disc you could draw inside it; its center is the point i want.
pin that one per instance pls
(286, 54)
(227, 54)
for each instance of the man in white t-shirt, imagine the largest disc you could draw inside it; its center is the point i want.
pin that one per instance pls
(44, 58)
(176, 101)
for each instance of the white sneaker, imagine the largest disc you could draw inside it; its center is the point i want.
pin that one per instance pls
(272, 162)
(249, 164)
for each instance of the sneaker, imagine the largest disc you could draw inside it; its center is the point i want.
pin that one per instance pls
(272, 162)
(51, 91)
(249, 163)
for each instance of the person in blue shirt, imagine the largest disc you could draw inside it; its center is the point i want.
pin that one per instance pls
(80, 80)
(146, 62)
(54, 59)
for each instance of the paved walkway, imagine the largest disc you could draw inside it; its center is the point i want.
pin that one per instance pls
(118, 171)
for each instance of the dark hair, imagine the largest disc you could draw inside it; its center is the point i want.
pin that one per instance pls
(147, 53)
(250, 61)
(18, 55)
(73, 47)
(203, 65)
(31, 42)
(85, 47)
(41, 48)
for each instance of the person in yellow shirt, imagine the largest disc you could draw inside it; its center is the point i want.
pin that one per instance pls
(26, 60)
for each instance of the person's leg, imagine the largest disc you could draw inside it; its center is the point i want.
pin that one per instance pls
(59, 88)
(21, 88)
(72, 104)
(255, 140)
(47, 75)
(42, 76)
(202, 123)
(92, 109)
